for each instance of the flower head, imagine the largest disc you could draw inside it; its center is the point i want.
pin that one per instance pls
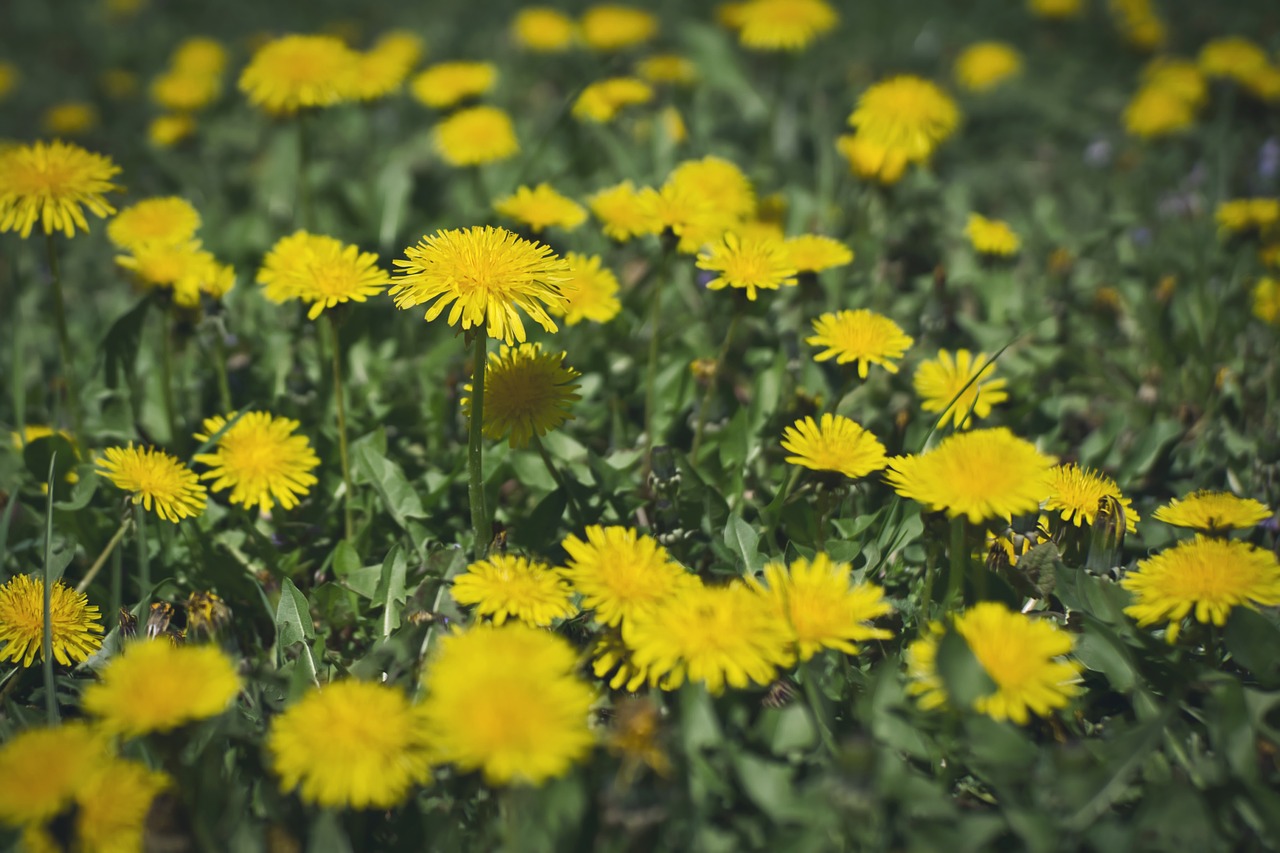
(862, 336)
(1076, 492)
(784, 24)
(168, 130)
(505, 700)
(750, 264)
(41, 769)
(166, 220)
(70, 118)
(509, 586)
(542, 29)
(446, 83)
(987, 64)
(1235, 57)
(1266, 300)
(907, 114)
(482, 275)
(382, 69)
(991, 236)
(1245, 214)
(527, 392)
(1212, 512)
(1055, 9)
(110, 808)
(296, 71)
(476, 135)
(821, 607)
(260, 459)
(603, 100)
(610, 27)
(155, 686)
(185, 92)
(982, 474)
(185, 268)
(591, 291)
(320, 270)
(541, 207)
(960, 386)
(872, 161)
(350, 744)
(1157, 111)
(51, 183)
(626, 212)
(667, 68)
(200, 55)
(157, 480)
(621, 574)
(834, 444)
(815, 253)
(1180, 77)
(77, 625)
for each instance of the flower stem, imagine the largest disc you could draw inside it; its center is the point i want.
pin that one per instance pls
(651, 372)
(144, 558)
(712, 381)
(64, 337)
(302, 213)
(814, 699)
(338, 396)
(574, 509)
(46, 613)
(166, 378)
(480, 522)
(106, 552)
(955, 579)
(220, 367)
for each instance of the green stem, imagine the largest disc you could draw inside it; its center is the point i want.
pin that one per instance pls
(220, 367)
(955, 580)
(651, 372)
(144, 558)
(814, 700)
(338, 396)
(46, 613)
(712, 381)
(166, 378)
(303, 212)
(576, 511)
(480, 522)
(64, 337)
(102, 558)
(926, 594)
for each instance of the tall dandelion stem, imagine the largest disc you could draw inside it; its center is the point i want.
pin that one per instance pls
(955, 579)
(712, 381)
(46, 613)
(340, 403)
(64, 337)
(166, 377)
(480, 522)
(651, 372)
(574, 509)
(144, 558)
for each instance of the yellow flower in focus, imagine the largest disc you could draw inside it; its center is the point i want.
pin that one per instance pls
(447, 83)
(815, 253)
(527, 392)
(991, 236)
(1056, 9)
(482, 275)
(591, 291)
(320, 270)
(50, 183)
(783, 24)
(748, 264)
(541, 207)
(182, 91)
(77, 625)
(157, 480)
(542, 29)
(1180, 77)
(505, 701)
(862, 336)
(167, 219)
(260, 459)
(199, 55)
(906, 114)
(668, 68)
(351, 744)
(297, 71)
(981, 474)
(475, 136)
(155, 686)
(626, 212)
(610, 27)
(1155, 111)
(1234, 57)
(167, 131)
(1213, 512)
(602, 101)
(985, 65)
(954, 386)
(871, 161)
(184, 267)
(621, 574)
(835, 443)
(42, 769)
(505, 586)
(820, 605)
(1266, 300)
(72, 118)
(1076, 491)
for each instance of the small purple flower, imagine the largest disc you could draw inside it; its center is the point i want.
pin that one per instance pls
(705, 277)
(1269, 159)
(1141, 236)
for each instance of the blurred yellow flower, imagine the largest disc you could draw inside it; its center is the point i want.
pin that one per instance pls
(591, 291)
(166, 219)
(298, 71)
(609, 27)
(185, 267)
(527, 392)
(71, 118)
(167, 131)
(603, 100)
(541, 207)
(1056, 9)
(815, 253)
(1139, 23)
(446, 83)
(870, 160)
(667, 68)
(1234, 57)
(476, 135)
(1180, 77)
(862, 336)
(543, 30)
(183, 91)
(109, 811)
(626, 212)
(50, 183)
(42, 769)
(783, 24)
(118, 84)
(906, 114)
(987, 64)
(991, 236)
(1157, 111)
(199, 55)
(1266, 300)
(1248, 214)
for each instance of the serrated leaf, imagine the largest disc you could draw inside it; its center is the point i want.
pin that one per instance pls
(391, 589)
(388, 479)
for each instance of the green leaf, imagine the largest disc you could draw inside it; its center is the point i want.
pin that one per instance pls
(744, 542)
(391, 589)
(293, 616)
(1253, 639)
(38, 455)
(345, 559)
(1100, 650)
(388, 479)
(122, 343)
(771, 786)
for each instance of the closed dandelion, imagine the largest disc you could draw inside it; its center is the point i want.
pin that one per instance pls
(749, 264)
(1213, 512)
(835, 443)
(260, 459)
(860, 336)
(158, 481)
(321, 271)
(528, 393)
(621, 574)
(961, 386)
(77, 625)
(541, 207)
(506, 586)
(52, 184)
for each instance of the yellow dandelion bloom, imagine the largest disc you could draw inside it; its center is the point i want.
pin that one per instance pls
(51, 183)
(591, 291)
(1139, 23)
(297, 71)
(815, 253)
(320, 270)
(907, 114)
(921, 659)
(506, 586)
(183, 91)
(541, 207)
(1266, 300)
(77, 625)
(862, 336)
(611, 663)
(154, 220)
(1208, 574)
(476, 135)
(1076, 491)
(109, 811)
(784, 24)
(872, 161)
(260, 459)
(820, 605)
(200, 55)
(985, 65)
(721, 182)
(1245, 214)
(1181, 77)
(668, 68)
(155, 686)
(1056, 9)
(720, 636)
(1234, 57)
(953, 385)
(482, 275)
(982, 474)
(621, 574)
(382, 69)
(748, 264)
(603, 100)
(186, 268)
(1213, 512)
(991, 236)
(527, 391)
(42, 769)
(167, 131)
(158, 481)
(72, 118)
(543, 30)
(626, 212)
(1264, 84)
(835, 443)
(447, 83)
(505, 701)
(350, 744)
(610, 27)
(1155, 111)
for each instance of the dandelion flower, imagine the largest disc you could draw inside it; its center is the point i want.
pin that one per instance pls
(296, 71)
(611, 663)
(748, 264)
(1181, 77)
(1244, 214)
(1155, 111)
(260, 459)
(621, 574)
(184, 267)
(350, 744)
(72, 118)
(110, 808)
(603, 100)
(784, 24)
(591, 291)
(609, 27)
(701, 201)
(446, 83)
(815, 253)
(200, 55)
(51, 183)
(1234, 57)
(155, 686)
(154, 220)
(41, 769)
(527, 391)
(626, 212)
(517, 587)
(1139, 23)
(158, 481)
(862, 336)
(1209, 574)
(721, 636)
(954, 385)
(1076, 491)
(542, 29)
(505, 701)
(1213, 512)
(167, 131)
(77, 625)
(834, 444)
(872, 161)
(907, 114)
(1055, 9)
(982, 474)
(1266, 300)
(987, 64)
(541, 207)
(720, 182)
(822, 608)
(476, 135)
(320, 270)
(185, 92)
(482, 275)
(668, 68)
(991, 236)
